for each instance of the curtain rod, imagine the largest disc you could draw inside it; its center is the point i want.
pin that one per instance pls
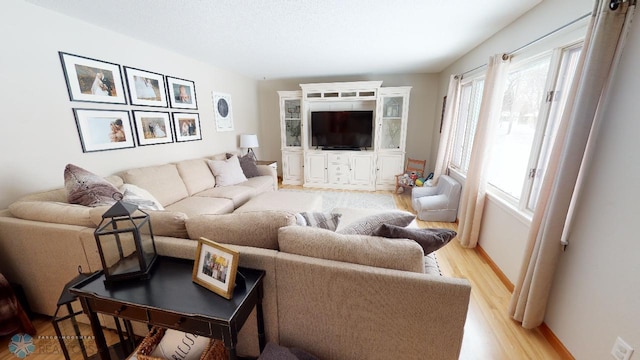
(534, 41)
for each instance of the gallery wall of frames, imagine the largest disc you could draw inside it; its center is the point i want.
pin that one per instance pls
(173, 119)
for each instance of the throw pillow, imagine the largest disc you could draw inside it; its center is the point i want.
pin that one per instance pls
(248, 165)
(86, 188)
(430, 239)
(227, 172)
(276, 352)
(367, 225)
(179, 345)
(140, 197)
(327, 221)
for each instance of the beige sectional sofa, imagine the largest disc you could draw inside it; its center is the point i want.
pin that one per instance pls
(378, 305)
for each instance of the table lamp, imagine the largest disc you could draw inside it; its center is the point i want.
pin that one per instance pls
(249, 141)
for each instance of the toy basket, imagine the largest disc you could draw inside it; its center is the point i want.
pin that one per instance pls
(214, 350)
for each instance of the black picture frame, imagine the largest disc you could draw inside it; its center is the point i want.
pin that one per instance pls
(91, 80)
(146, 88)
(102, 130)
(186, 127)
(182, 93)
(152, 127)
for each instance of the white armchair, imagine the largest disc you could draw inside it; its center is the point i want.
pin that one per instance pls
(437, 203)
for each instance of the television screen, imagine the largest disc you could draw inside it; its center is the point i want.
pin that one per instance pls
(342, 129)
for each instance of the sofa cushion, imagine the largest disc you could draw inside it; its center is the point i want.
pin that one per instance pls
(86, 188)
(261, 183)
(162, 181)
(258, 229)
(368, 224)
(196, 205)
(430, 239)
(227, 172)
(248, 165)
(239, 194)
(163, 223)
(196, 175)
(375, 251)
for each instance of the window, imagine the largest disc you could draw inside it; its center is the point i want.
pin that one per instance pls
(533, 103)
(465, 122)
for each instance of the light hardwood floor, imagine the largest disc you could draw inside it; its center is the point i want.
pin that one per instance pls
(489, 332)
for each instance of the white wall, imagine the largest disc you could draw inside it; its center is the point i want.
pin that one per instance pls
(423, 115)
(596, 292)
(39, 135)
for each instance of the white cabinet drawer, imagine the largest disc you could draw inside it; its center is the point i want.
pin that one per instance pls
(338, 158)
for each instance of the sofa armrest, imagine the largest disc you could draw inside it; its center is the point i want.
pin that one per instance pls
(418, 192)
(265, 170)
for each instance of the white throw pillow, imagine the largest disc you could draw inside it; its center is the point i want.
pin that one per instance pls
(177, 344)
(227, 172)
(136, 195)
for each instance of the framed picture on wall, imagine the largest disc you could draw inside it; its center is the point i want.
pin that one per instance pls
(152, 127)
(223, 113)
(186, 126)
(101, 130)
(145, 88)
(92, 80)
(182, 93)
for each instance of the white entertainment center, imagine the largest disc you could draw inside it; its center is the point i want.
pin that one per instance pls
(308, 158)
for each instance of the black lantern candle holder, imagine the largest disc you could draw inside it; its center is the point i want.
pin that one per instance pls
(125, 242)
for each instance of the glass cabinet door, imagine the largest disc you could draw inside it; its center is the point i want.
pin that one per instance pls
(391, 126)
(292, 122)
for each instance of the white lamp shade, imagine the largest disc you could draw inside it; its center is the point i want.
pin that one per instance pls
(249, 141)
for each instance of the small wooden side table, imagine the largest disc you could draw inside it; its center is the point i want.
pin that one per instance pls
(170, 299)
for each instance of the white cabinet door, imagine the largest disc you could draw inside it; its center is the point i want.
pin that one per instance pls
(315, 168)
(292, 168)
(388, 166)
(362, 169)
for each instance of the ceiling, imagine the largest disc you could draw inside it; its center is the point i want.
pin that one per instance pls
(272, 39)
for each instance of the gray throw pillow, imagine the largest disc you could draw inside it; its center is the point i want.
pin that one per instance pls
(327, 221)
(430, 239)
(367, 225)
(248, 165)
(86, 188)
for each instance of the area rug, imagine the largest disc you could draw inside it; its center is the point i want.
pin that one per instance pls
(342, 199)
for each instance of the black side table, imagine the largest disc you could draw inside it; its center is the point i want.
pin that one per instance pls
(170, 299)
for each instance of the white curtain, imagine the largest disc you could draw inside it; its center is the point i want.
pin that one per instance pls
(474, 190)
(600, 53)
(448, 129)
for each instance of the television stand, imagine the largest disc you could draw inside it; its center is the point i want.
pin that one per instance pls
(341, 148)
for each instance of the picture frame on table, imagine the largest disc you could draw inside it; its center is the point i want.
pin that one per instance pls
(92, 80)
(101, 130)
(186, 127)
(146, 88)
(215, 267)
(223, 111)
(182, 93)
(152, 127)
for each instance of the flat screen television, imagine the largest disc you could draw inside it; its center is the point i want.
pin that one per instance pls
(342, 129)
